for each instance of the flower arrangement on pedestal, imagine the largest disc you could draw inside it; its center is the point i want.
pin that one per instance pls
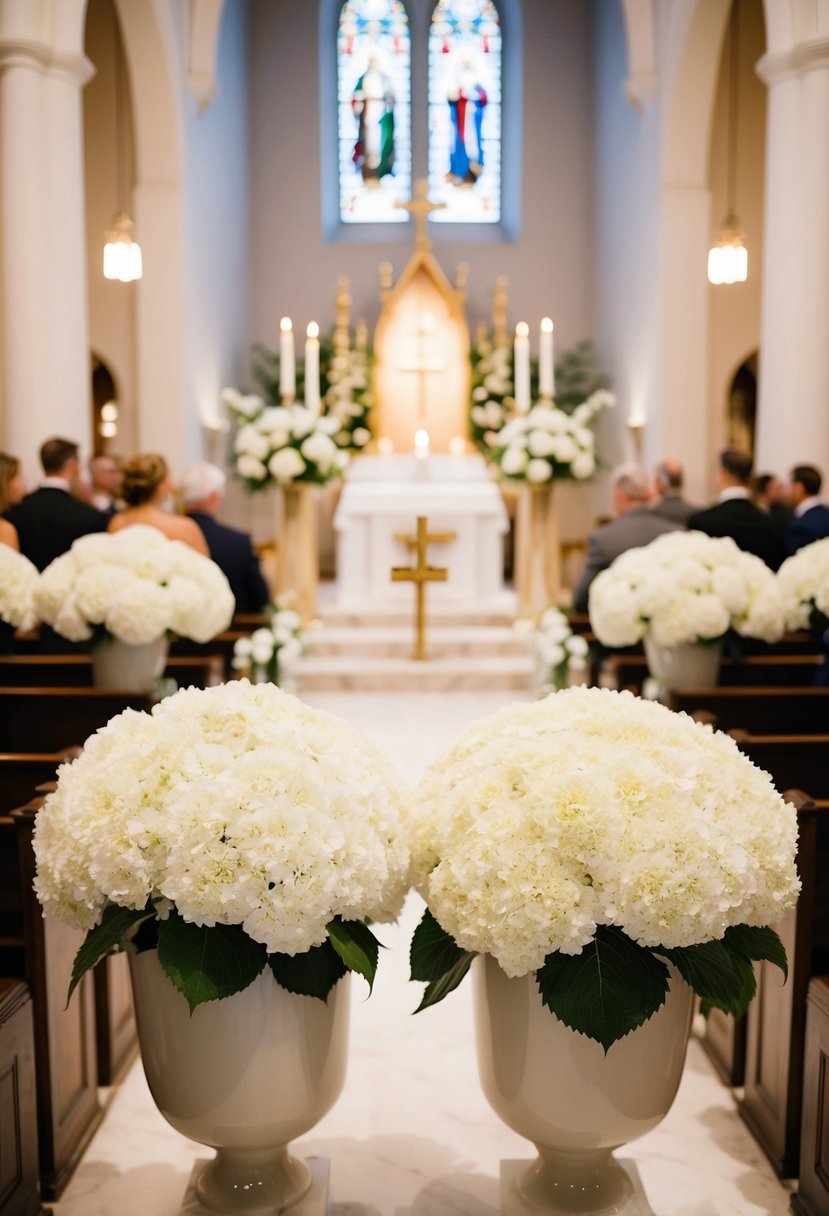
(561, 656)
(234, 829)
(271, 649)
(685, 587)
(591, 839)
(134, 585)
(282, 445)
(18, 583)
(803, 580)
(548, 444)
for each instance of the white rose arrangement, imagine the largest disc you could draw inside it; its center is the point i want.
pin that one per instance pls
(347, 395)
(550, 444)
(561, 656)
(18, 582)
(282, 445)
(273, 647)
(493, 391)
(803, 580)
(590, 837)
(134, 585)
(685, 587)
(236, 828)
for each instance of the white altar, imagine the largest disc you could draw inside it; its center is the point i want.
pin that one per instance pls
(380, 503)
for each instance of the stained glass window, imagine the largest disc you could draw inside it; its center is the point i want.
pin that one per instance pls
(374, 109)
(465, 111)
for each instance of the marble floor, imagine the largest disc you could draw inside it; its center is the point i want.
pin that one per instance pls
(412, 1134)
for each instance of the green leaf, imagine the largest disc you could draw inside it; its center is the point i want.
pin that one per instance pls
(758, 944)
(433, 951)
(357, 947)
(710, 969)
(103, 938)
(206, 963)
(744, 990)
(445, 983)
(609, 989)
(313, 973)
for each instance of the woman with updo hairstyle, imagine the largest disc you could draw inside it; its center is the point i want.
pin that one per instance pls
(147, 490)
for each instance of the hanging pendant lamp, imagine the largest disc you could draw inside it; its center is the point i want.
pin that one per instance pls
(728, 256)
(122, 253)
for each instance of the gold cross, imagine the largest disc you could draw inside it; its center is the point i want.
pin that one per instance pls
(420, 207)
(421, 574)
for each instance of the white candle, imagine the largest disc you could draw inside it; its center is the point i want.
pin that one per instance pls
(421, 443)
(546, 363)
(522, 367)
(312, 368)
(287, 363)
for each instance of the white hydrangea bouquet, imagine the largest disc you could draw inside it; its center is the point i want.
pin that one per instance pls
(276, 645)
(134, 585)
(347, 395)
(803, 580)
(685, 587)
(561, 656)
(233, 828)
(550, 444)
(18, 582)
(282, 445)
(591, 838)
(493, 391)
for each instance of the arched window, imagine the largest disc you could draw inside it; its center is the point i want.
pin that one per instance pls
(465, 111)
(373, 111)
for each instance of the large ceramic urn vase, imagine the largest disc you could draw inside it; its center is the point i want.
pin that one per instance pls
(692, 665)
(117, 664)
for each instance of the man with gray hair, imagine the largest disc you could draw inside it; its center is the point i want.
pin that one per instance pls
(202, 489)
(667, 486)
(635, 525)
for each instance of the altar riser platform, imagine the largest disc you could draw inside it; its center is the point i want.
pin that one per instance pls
(395, 641)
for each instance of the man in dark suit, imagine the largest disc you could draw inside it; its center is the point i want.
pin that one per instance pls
(635, 525)
(667, 486)
(735, 515)
(51, 518)
(810, 520)
(202, 488)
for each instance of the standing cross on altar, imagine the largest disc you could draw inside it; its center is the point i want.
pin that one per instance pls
(420, 207)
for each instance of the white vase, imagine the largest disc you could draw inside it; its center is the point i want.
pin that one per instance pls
(559, 1089)
(245, 1075)
(117, 664)
(692, 665)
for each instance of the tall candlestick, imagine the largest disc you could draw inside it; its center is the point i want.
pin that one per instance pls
(546, 363)
(287, 363)
(312, 368)
(522, 367)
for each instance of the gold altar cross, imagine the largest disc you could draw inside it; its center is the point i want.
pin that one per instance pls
(420, 207)
(421, 574)
(422, 365)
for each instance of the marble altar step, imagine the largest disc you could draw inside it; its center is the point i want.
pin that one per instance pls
(396, 641)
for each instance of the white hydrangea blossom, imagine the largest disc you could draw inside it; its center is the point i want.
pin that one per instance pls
(18, 581)
(804, 583)
(271, 650)
(560, 656)
(239, 804)
(280, 445)
(595, 807)
(685, 587)
(547, 443)
(137, 585)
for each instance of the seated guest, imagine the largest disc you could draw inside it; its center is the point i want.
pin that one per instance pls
(8, 535)
(202, 489)
(810, 520)
(667, 488)
(772, 496)
(105, 487)
(51, 518)
(735, 515)
(147, 492)
(12, 486)
(635, 525)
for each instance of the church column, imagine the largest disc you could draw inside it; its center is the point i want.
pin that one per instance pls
(794, 368)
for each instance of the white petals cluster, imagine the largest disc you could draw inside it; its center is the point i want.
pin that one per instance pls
(685, 587)
(561, 656)
(273, 647)
(594, 807)
(548, 444)
(278, 445)
(137, 585)
(240, 805)
(18, 581)
(348, 397)
(804, 584)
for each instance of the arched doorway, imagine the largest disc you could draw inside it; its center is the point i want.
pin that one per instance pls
(741, 406)
(106, 408)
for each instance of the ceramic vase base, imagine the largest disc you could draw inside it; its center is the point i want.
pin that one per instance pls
(314, 1201)
(526, 1191)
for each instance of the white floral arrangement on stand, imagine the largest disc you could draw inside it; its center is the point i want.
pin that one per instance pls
(549, 444)
(493, 391)
(282, 445)
(685, 587)
(235, 828)
(269, 653)
(803, 580)
(134, 585)
(590, 838)
(18, 583)
(561, 657)
(347, 396)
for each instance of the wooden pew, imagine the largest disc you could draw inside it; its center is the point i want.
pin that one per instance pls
(792, 761)
(771, 1104)
(222, 645)
(19, 1189)
(812, 1195)
(75, 670)
(760, 710)
(793, 670)
(47, 719)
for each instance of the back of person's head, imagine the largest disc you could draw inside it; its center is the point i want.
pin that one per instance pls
(737, 465)
(103, 469)
(200, 482)
(632, 481)
(762, 482)
(55, 454)
(809, 477)
(142, 477)
(9, 469)
(669, 475)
